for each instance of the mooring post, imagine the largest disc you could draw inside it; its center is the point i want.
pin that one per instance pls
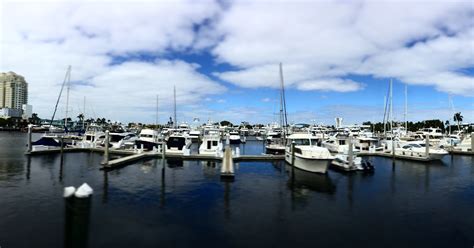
(351, 152)
(293, 154)
(472, 141)
(393, 147)
(62, 144)
(163, 150)
(427, 146)
(29, 138)
(105, 161)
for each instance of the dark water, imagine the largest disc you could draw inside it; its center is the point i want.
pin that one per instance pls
(183, 204)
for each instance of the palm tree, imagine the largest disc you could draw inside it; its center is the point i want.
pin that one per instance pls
(447, 124)
(458, 118)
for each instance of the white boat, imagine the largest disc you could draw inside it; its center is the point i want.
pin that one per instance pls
(148, 138)
(122, 140)
(194, 136)
(418, 149)
(336, 143)
(176, 143)
(275, 148)
(234, 137)
(211, 142)
(308, 156)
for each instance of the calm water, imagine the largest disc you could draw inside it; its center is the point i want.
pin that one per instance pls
(181, 204)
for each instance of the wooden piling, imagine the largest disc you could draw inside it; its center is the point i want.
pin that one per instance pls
(351, 152)
(427, 146)
(29, 139)
(105, 161)
(227, 169)
(61, 139)
(472, 141)
(293, 154)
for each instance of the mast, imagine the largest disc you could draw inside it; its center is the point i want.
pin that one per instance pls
(384, 116)
(156, 120)
(391, 107)
(175, 121)
(406, 109)
(59, 97)
(67, 96)
(83, 113)
(283, 104)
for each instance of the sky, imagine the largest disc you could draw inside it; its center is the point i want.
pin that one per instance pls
(223, 58)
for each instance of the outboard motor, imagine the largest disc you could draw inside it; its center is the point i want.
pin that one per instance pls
(367, 166)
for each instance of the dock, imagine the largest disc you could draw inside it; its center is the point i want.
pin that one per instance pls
(129, 156)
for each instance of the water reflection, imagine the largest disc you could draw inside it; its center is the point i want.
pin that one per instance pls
(163, 184)
(105, 187)
(227, 208)
(300, 181)
(77, 222)
(175, 163)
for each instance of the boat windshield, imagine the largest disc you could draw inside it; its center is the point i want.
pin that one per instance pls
(301, 142)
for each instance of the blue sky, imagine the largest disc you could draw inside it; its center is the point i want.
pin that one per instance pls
(223, 57)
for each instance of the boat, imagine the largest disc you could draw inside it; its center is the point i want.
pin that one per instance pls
(176, 143)
(234, 137)
(307, 156)
(122, 140)
(93, 137)
(211, 142)
(194, 136)
(419, 149)
(148, 138)
(336, 143)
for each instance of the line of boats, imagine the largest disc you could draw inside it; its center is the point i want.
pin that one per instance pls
(310, 148)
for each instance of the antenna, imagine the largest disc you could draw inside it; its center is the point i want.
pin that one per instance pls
(175, 121)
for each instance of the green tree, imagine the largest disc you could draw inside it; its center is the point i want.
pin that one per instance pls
(458, 118)
(226, 123)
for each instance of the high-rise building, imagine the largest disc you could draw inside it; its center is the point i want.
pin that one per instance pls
(13, 90)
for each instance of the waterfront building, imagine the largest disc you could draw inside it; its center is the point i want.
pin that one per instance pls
(13, 90)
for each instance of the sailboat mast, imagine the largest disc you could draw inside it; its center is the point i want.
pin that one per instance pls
(83, 112)
(67, 96)
(283, 103)
(391, 106)
(406, 109)
(60, 93)
(174, 94)
(156, 120)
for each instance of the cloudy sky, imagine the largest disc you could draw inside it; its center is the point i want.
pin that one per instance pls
(223, 56)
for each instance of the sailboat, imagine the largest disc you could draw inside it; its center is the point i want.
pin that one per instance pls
(277, 145)
(50, 140)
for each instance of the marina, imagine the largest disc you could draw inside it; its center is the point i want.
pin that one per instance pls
(236, 124)
(190, 196)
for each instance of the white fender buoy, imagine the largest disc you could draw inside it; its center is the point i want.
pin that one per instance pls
(69, 191)
(84, 191)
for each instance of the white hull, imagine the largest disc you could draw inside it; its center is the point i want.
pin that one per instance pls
(309, 164)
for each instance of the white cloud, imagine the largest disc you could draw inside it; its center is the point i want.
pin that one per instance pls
(39, 40)
(417, 42)
(321, 43)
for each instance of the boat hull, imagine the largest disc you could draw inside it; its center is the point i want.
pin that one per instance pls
(275, 150)
(309, 164)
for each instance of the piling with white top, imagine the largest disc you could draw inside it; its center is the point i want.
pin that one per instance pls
(29, 138)
(105, 161)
